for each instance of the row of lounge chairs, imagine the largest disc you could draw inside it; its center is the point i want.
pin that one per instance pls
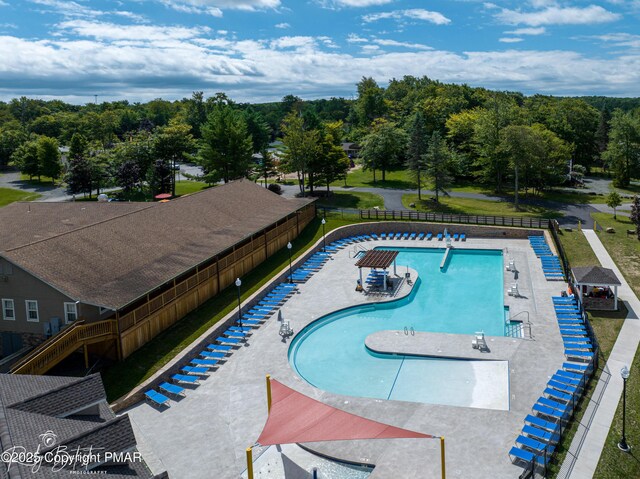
(302, 273)
(551, 266)
(217, 352)
(343, 243)
(552, 411)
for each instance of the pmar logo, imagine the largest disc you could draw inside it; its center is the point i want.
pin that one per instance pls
(48, 439)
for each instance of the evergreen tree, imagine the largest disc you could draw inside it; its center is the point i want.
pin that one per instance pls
(78, 176)
(226, 150)
(417, 148)
(438, 163)
(78, 146)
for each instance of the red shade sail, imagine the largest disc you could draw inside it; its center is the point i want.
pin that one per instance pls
(295, 417)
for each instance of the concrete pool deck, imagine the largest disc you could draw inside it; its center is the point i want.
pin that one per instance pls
(206, 433)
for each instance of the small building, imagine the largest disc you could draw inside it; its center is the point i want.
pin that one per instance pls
(352, 150)
(69, 423)
(598, 287)
(108, 277)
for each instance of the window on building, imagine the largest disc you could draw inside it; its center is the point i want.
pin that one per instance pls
(8, 310)
(32, 310)
(70, 312)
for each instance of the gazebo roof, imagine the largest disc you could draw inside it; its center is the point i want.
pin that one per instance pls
(377, 259)
(595, 275)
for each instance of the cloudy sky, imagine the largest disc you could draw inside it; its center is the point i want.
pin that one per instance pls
(261, 50)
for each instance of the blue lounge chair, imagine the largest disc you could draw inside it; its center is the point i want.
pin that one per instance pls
(421, 236)
(383, 236)
(219, 347)
(172, 389)
(405, 236)
(463, 237)
(549, 412)
(540, 434)
(541, 423)
(439, 236)
(196, 370)
(205, 362)
(223, 339)
(213, 354)
(526, 456)
(562, 387)
(456, 236)
(534, 444)
(183, 378)
(235, 334)
(565, 380)
(157, 398)
(429, 236)
(555, 394)
(562, 407)
(575, 367)
(252, 322)
(412, 236)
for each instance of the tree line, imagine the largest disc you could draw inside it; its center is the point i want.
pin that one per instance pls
(439, 132)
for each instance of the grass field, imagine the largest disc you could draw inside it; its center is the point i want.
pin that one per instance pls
(186, 187)
(357, 177)
(577, 248)
(120, 378)
(470, 206)
(9, 195)
(351, 199)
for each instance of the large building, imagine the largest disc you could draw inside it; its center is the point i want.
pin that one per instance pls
(63, 427)
(108, 277)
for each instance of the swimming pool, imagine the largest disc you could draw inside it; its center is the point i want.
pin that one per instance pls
(464, 297)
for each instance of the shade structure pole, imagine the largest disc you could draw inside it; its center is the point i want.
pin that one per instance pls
(249, 463)
(268, 392)
(444, 474)
(615, 297)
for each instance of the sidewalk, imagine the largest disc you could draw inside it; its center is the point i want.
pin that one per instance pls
(622, 354)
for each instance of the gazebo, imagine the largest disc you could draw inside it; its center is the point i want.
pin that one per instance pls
(378, 259)
(594, 283)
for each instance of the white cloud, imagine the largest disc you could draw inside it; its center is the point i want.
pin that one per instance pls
(3, 4)
(77, 10)
(554, 15)
(395, 43)
(621, 39)
(353, 38)
(528, 31)
(215, 7)
(140, 63)
(510, 40)
(282, 25)
(352, 3)
(413, 13)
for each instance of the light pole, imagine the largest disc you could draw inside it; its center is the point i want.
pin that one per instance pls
(624, 372)
(324, 238)
(238, 284)
(289, 246)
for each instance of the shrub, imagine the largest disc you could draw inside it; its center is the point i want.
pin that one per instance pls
(276, 188)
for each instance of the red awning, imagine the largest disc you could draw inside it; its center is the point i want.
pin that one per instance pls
(295, 417)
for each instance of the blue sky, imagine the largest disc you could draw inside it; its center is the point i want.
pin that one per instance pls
(261, 50)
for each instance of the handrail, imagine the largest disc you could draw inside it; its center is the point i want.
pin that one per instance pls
(53, 352)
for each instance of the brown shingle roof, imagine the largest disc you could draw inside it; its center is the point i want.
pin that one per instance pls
(114, 262)
(377, 259)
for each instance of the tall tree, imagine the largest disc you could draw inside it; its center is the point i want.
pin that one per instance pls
(301, 148)
(171, 144)
(78, 146)
(226, 149)
(11, 137)
(196, 113)
(613, 201)
(49, 157)
(623, 151)
(370, 103)
(78, 175)
(25, 158)
(383, 148)
(438, 163)
(417, 148)
(335, 162)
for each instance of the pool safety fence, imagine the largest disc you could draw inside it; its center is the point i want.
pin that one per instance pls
(401, 215)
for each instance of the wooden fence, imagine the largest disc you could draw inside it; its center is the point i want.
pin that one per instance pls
(401, 215)
(139, 326)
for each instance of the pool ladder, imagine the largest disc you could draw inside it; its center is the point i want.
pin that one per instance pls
(409, 330)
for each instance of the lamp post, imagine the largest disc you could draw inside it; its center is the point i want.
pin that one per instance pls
(289, 246)
(624, 372)
(324, 239)
(238, 284)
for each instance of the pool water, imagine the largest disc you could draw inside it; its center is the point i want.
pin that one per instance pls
(464, 297)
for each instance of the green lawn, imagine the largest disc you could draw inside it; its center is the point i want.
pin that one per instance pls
(122, 377)
(186, 187)
(577, 248)
(9, 195)
(42, 181)
(351, 199)
(470, 206)
(623, 248)
(400, 179)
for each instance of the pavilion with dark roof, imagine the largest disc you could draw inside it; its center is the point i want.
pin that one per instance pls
(592, 281)
(378, 259)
